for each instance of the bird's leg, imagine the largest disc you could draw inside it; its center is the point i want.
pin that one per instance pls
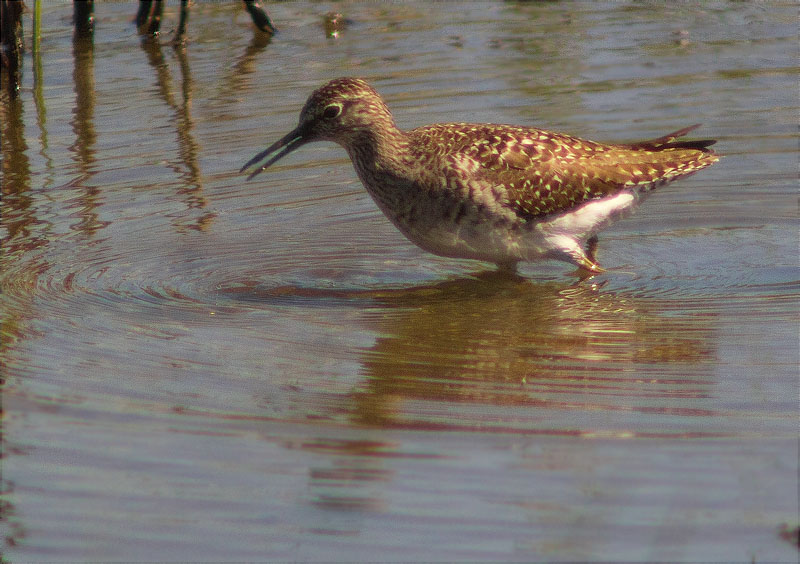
(591, 249)
(585, 259)
(507, 267)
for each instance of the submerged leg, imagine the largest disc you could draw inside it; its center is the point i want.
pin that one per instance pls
(591, 249)
(508, 267)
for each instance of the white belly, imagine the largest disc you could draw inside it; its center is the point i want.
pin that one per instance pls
(502, 239)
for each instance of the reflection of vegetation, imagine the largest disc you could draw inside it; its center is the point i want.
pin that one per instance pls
(512, 342)
(350, 477)
(187, 167)
(12, 47)
(18, 214)
(790, 534)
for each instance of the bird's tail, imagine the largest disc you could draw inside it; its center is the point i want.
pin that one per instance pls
(668, 142)
(649, 164)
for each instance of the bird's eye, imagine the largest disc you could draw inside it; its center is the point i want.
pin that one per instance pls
(331, 111)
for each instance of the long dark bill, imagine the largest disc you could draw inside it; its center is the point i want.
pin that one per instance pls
(289, 142)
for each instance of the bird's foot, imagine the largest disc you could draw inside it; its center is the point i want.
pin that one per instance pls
(587, 261)
(589, 270)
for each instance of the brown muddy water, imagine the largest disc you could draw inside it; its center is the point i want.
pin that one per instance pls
(197, 367)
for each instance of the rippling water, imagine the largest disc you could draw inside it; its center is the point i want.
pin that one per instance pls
(198, 367)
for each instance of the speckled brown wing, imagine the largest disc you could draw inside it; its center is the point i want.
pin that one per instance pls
(564, 171)
(542, 173)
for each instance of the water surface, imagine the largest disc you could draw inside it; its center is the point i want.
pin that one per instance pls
(202, 368)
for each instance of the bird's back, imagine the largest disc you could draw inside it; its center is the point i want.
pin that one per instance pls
(538, 173)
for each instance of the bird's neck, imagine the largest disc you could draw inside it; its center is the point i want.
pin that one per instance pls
(379, 151)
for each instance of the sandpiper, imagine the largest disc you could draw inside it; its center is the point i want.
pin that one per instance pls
(495, 193)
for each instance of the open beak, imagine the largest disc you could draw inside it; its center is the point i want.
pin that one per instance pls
(287, 144)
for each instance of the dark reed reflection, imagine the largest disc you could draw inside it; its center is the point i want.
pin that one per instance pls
(11, 45)
(187, 165)
(83, 148)
(343, 480)
(350, 480)
(18, 214)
